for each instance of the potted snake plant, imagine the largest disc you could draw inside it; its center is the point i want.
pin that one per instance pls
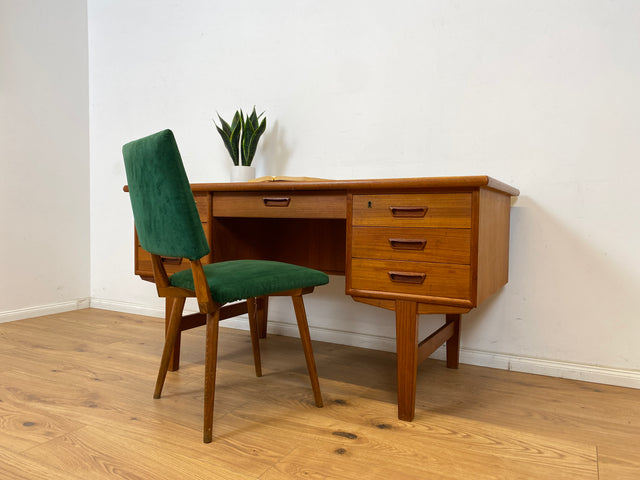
(241, 141)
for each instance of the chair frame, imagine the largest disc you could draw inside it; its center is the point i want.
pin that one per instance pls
(212, 309)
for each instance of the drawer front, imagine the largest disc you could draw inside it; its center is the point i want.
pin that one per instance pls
(203, 204)
(171, 264)
(414, 278)
(437, 245)
(451, 210)
(280, 204)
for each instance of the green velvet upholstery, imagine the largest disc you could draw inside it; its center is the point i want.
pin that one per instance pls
(164, 209)
(240, 279)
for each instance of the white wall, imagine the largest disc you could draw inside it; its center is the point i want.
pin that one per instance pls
(542, 95)
(44, 157)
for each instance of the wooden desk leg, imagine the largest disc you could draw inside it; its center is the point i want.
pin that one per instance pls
(174, 363)
(407, 357)
(453, 344)
(262, 310)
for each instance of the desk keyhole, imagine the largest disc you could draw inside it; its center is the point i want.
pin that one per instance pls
(369, 205)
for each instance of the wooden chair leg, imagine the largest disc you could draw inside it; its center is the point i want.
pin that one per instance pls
(174, 363)
(255, 340)
(211, 358)
(262, 311)
(303, 328)
(169, 343)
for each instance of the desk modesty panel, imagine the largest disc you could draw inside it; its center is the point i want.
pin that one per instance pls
(435, 245)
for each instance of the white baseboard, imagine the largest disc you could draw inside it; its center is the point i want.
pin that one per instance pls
(549, 368)
(572, 371)
(40, 310)
(126, 307)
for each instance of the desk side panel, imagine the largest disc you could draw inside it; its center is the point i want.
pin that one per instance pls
(493, 242)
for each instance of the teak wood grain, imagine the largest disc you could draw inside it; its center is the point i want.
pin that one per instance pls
(280, 204)
(431, 245)
(396, 277)
(413, 210)
(444, 245)
(493, 243)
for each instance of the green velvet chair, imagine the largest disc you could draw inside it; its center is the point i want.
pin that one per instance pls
(167, 223)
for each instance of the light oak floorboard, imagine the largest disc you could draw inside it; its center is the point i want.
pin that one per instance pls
(76, 402)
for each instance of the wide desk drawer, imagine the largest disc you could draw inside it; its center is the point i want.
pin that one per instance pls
(413, 278)
(438, 245)
(280, 204)
(451, 210)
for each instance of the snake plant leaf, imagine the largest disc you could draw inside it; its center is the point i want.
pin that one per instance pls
(228, 145)
(250, 143)
(235, 121)
(253, 119)
(248, 128)
(242, 136)
(247, 132)
(225, 126)
(236, 133)
(230, 136)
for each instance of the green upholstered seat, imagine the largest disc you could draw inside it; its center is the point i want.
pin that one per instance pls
(240, 279)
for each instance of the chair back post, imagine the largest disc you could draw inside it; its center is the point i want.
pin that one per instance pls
(160, 276)
(201, 286)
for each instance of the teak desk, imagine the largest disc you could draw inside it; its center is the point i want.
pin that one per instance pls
(414, 246)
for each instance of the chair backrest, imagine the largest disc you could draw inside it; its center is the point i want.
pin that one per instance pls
(164, 210)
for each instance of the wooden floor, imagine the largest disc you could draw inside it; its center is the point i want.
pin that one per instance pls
(76, 403)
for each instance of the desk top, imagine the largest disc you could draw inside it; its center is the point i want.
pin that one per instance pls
(424, 183)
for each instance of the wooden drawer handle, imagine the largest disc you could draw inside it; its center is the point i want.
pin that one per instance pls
(407, 277)
(171, 260)
(415, 212)
(407, 244)
(276, 201)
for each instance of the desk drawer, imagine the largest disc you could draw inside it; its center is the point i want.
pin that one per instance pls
(437, 245)
(280, 204)
(203, 204)
(451, 210)
(171, 265)
(414, 278)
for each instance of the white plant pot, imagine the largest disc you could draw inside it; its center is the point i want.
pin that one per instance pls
(241, 173)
